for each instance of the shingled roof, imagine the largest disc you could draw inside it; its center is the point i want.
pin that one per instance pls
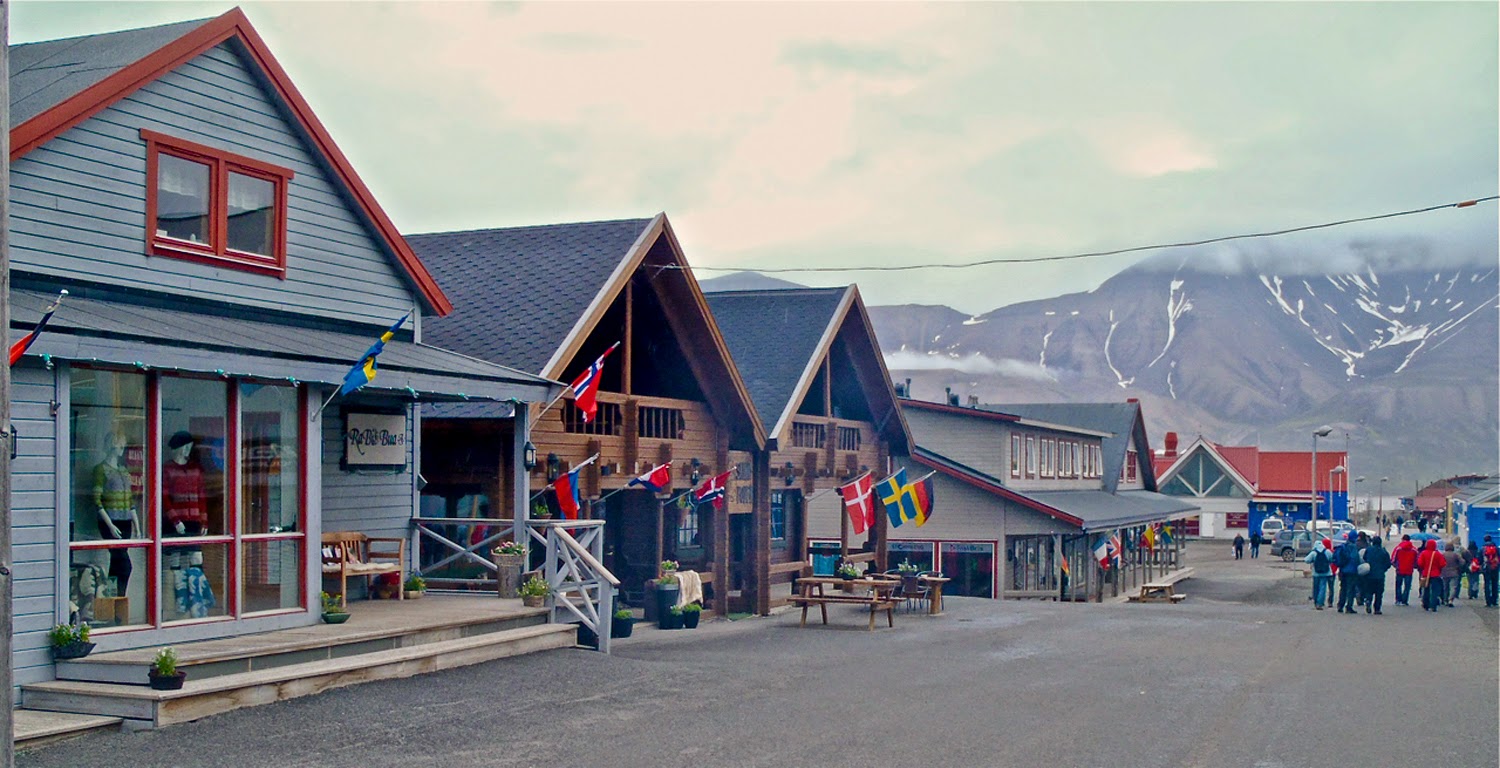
(45, 74)
(521, 290)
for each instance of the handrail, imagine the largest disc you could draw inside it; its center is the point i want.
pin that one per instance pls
(583, 553)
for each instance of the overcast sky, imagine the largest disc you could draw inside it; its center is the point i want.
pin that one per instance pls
(786, 134)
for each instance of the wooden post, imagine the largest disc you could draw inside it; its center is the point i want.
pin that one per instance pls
(1057, 555)
(761, 538)
(7, 581)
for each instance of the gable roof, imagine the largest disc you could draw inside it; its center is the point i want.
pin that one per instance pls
(1090, 510)
(779, 339)
(58, 84)
(524, 289)
(1484, 491)
(1123, 422)
(1244, 458)
(1167, 469)
(532, 295)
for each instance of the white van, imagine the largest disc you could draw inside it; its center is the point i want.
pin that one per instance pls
(1271, 526)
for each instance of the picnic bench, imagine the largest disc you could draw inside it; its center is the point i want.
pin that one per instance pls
(877, 596)
(1162, 589)
(351, 553)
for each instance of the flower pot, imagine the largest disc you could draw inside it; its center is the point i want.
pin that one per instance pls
(533, 601)
(166, 682)
(335, 617)
(415, 594)
(690, 619)
(622, 627)
(587, 637)
(74, 650)
(666, 598)
(669, 620)
(508, 574)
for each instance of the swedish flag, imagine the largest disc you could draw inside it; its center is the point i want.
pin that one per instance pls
(364, 371)
(900, 502)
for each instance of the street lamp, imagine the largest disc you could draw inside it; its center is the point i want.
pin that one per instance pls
(1323, 431)
(1380, 500)
(1359, 485)
(1331, 473)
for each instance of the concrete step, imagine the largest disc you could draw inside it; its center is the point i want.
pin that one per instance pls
(322, 642)
(143, 707)
(33, 728)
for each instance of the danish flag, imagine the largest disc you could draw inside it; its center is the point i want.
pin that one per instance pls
(859, 500)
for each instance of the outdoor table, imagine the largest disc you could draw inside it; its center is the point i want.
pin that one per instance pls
(934, 592)
(876, 594)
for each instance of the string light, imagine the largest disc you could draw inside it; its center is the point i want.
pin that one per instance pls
(1096, 254)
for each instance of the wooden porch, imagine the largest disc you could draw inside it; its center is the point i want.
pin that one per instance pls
(383, 639)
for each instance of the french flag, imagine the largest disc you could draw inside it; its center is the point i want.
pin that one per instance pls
(1101, 552)
(586, 386)
(656, 479)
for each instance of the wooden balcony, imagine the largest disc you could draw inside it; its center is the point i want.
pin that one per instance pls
(630, 434)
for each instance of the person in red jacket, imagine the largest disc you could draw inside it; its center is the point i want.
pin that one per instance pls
(1404, 557)
(1430, 567)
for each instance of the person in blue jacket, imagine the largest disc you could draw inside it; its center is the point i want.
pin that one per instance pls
(1322, 573)
(1379, 561)
(1346, 557)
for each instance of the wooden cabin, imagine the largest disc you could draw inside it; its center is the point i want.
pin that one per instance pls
(552, 300)
(812, 364)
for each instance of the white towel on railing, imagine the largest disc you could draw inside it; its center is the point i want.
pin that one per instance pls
(690, 586)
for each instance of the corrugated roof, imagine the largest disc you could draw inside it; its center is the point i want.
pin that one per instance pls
(95, 330)
(519, 291)
(45, 74)
(1483, 492)
(1287, 471)
(772, 336)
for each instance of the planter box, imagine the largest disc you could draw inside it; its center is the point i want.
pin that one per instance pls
(508, 575)
(166, 682)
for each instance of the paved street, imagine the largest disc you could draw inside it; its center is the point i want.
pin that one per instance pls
(1244, 673)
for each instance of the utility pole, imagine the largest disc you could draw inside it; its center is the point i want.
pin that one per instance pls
(7, 676)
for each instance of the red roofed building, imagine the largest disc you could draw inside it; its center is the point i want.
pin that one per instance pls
(1237, 486)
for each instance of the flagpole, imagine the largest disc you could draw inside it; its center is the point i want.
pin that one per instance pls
(862, 476)
(315, 414)
(626, 487)
(581, 465)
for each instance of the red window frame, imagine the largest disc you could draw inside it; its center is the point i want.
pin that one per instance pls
(216, 251)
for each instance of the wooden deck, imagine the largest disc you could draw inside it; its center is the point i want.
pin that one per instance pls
(382, 640)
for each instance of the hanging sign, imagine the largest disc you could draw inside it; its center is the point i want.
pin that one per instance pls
(375, 440)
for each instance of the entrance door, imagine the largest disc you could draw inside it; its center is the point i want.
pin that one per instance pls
(741, 533)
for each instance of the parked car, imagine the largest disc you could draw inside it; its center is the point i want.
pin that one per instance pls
(1335, 530)
(1270, 527)
(1292, 545)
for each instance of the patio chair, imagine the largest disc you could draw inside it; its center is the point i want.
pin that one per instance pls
(916, 592)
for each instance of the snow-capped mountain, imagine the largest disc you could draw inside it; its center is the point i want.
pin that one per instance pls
(1402, 359)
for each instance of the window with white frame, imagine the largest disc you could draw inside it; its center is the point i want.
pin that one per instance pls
(1015, 455)
(1030, 456)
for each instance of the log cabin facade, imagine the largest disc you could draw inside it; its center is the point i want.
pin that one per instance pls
(553, 299)
(820, 385)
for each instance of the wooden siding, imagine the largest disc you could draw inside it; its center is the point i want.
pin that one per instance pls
(969, 441)
(33, 521)
(627, 453)
(378, 503)
(78, 202)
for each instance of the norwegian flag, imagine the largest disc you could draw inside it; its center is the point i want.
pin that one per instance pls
(586, 386)
(859, 500)
(656, 478)
(712, 490)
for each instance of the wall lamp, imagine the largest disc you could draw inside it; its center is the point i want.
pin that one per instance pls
(528, 456)
(554, 467)
(697, 472)
(789, 473)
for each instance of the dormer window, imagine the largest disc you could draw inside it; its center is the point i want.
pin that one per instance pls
(214, 207)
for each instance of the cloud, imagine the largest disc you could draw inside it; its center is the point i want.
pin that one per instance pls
(908, 360)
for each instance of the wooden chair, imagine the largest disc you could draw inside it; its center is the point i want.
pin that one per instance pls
(351, 553)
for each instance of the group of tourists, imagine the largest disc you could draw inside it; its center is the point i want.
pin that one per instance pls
(1360, 563)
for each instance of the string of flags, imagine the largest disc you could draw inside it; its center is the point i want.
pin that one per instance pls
(903, 501)
(24, 343)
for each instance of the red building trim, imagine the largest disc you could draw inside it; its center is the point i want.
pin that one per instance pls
(233, 24)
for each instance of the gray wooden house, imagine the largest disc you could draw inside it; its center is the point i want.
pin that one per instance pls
(811, 362)
(1019, 488)
(226, 267)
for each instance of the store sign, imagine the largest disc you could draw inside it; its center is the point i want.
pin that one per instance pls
(375, 440)
(983, 549)
(910, 546)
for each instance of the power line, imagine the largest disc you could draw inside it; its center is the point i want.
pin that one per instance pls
(1095, 254)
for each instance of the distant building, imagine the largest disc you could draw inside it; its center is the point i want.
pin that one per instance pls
(1238, 486)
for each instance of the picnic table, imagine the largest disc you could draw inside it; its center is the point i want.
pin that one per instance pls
(873, 593)
(934, 592)
(1162, 590)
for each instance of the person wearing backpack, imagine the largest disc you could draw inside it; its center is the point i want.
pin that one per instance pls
(1378, 561)
(1474, 565)
(1430, 568)
(1491, 556)
(1404, 556)
(1322, 573)
(1255, 541)
(1346, 557)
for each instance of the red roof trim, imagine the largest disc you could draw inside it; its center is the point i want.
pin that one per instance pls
(957, 410)
(999, 490)
(90, 101)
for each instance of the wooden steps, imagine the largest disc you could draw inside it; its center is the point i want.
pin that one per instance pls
(33, 728)
(140, 706)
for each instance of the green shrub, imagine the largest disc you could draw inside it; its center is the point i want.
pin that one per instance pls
(165, 664)
(64, 634)
(535, 586)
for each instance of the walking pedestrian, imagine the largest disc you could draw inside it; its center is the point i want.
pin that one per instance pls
(1450, 573)
(1491, 555)
(1378, 561)
(1239, 546)
(1422, 525)
(1346, 557)
(1430, 570)
(1255, 541)
(1474, 566)
(1322, 574)
(1404, 556)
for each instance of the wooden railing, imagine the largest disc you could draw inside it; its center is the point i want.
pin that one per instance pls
(581, 586)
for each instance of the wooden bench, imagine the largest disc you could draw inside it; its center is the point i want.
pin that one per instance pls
(351, 553)
(875, 603)
(1162, 590)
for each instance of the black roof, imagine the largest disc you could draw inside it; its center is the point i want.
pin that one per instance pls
(518, 292)
(45, 74)
(772, 336)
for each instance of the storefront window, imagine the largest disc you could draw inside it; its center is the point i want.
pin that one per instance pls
(970, 567)
(918, 553)
(194, 526)
(1033, 565)
(108, 569)
(270, 496)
